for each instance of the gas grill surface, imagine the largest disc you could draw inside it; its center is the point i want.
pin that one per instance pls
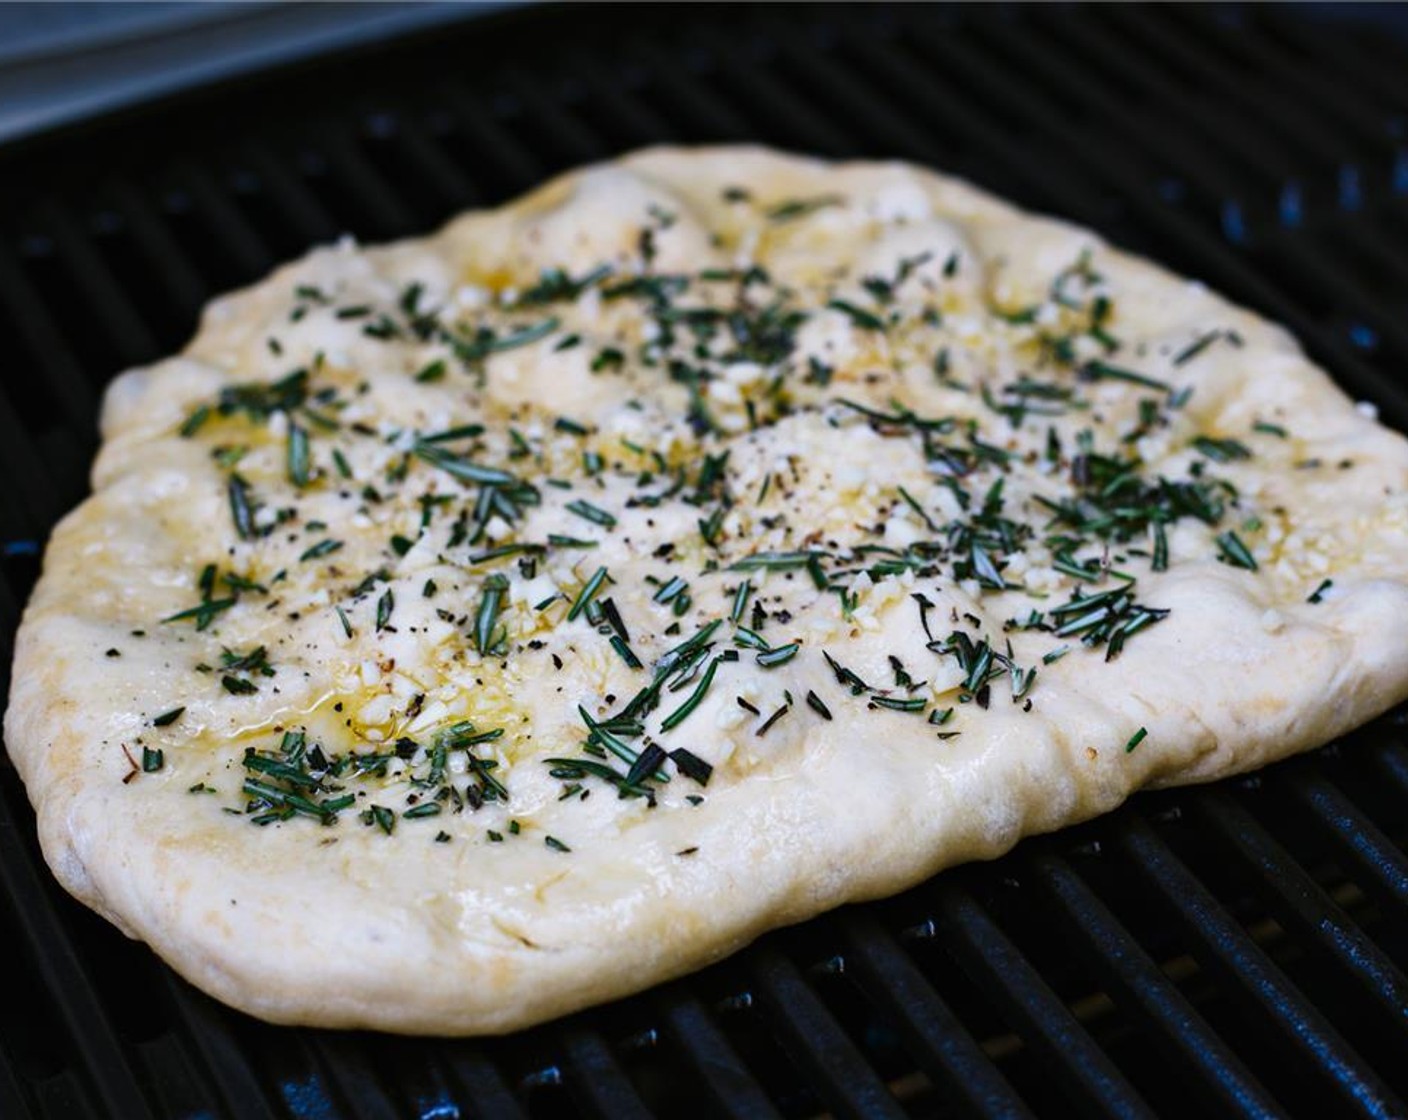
(1233, 950)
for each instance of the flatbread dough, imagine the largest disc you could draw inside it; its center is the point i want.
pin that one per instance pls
(314, 625)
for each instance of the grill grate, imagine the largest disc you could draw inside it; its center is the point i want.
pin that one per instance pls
(1238, 950)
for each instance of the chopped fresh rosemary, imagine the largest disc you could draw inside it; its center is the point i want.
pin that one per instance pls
(486, 618)
(618, 643)
(671, 590)
(463, 469)
(592, 513)
(866, 320)
(1196, 347)
(800, 207)
(300, 471)
(740, 601)
(589, 590)
(554, 285)
(900, 703)
(1231, 549)
(1033, 493)
(1103, 371)
(240, 508)
(680, 714)
(321, 549)
(204, 613)
(778, 655)
(692, 766)
(1222, 450)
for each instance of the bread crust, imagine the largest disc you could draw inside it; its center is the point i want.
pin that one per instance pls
(476, 937)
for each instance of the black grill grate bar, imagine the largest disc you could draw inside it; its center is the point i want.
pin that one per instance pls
(924, 100)
(1276, 143)
(11, 1094)
(923, 78)
(1191, 85)
(311, 220)
(1302, 906)
(1249, 158)
(715, 119)
(1074, 1061)
(1015, 93)
(1133, 978)
(238, 240)
(1332, 118)
(207, 1032)
(11, 600)
(10, 619)
(291, 197)
(1186, 236)
(636, 117)
(1182, 153)
(595, 1078)
(381, 212)
(1392, 767)
(424, 161)
(830, 80)
(731, 1087)
(1382, 866)
(77, 1003)
(1244, 149)
(1367, 248)
(772, 105)
(182, 282)
(477, 121)
(934, 1035)
(844, 1080)
(413, 1072)
(469, 1065)
(162, 1063)
(1316, 268)
(48, 489)
(35, 505)
(569, 139)
(90, 276)
(1393, 764)
(66, 380)
(1115, 165)
(1218, 941)
(1357, 68)
(65, 1097)
(13, 588)
(360, 1092)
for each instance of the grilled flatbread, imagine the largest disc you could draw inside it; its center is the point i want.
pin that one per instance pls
(472, 629)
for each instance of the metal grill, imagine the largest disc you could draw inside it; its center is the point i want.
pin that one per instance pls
(1233, 950)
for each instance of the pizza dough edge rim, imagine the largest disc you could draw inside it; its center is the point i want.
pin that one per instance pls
(35, 721)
